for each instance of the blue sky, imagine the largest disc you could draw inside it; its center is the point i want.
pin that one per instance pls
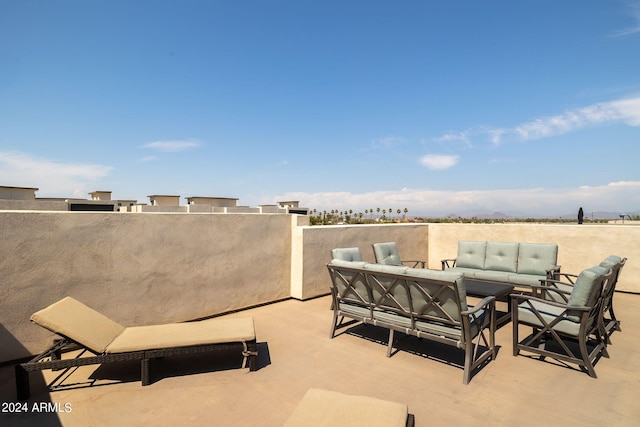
(527, 108)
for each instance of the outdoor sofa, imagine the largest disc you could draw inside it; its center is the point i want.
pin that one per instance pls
(107, 341)
(519, 264)
(428, 304)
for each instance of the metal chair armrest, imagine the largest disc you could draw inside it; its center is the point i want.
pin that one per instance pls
(487, 301)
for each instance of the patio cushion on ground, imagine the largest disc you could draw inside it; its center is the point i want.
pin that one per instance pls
(329, 408)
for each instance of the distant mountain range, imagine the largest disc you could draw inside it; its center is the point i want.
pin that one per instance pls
(500, 215)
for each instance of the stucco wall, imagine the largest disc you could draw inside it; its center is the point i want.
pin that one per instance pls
(136, 268)
(317, 242)
(162, 267)
(579, 246)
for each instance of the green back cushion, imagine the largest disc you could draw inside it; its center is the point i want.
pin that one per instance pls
(387, 253)
(471, 254)
(447, 298)
(501, 256)
(583, 289)
(381, 284)
(537, 258)
(355, 288)
(611, 261)
(346, 254)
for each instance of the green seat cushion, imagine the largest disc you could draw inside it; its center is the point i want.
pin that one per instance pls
(383, 268)
(344, 263)
(496, 276)
(526, 279)
(548, 312)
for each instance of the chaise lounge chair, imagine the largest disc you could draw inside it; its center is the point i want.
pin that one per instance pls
(109, 341)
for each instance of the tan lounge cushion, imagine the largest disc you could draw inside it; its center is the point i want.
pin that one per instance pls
(212, 331)
(330, 408)
(72, 319)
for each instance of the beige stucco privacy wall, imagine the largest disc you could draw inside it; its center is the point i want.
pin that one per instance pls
(136, 269)
(312, 247)
(167, 267)
(580, 246)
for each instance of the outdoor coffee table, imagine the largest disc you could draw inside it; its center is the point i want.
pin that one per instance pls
(486, 288)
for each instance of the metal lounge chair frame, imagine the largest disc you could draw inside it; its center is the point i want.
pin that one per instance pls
(52, 358)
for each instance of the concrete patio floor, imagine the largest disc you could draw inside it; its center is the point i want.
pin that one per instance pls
(297, 354)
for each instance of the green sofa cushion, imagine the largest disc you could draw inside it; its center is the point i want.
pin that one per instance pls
(346, 254)
(471, 254)
(611, 261)
(387, 253)
(537, 258)
(583, 288)
(549, 313)
(383, 268)
(344, 263)
(501, 256)
(446, 276)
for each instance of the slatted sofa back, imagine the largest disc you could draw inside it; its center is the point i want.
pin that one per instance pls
(399, 296)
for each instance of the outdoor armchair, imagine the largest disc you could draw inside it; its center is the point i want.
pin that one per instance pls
(559, 290)
(388, 254)
(566, 331)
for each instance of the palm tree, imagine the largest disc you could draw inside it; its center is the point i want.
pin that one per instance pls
(405, 212)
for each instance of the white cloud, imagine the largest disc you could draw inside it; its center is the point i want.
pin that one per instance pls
(52, 177)
(463, 137)
(612, 197)
(623, 110)
(634, 12)
(388, 141)
(173, 146)
(439, 161)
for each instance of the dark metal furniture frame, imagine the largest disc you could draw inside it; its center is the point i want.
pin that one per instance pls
(544, 331)
(52, 359)
(415, 306)
(486, 288)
